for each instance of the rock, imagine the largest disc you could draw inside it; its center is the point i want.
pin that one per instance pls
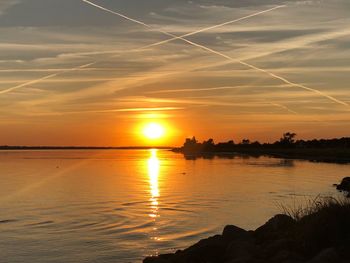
(279, 246)
(344, 185)
(285, 256)
(328, 255)
(232, 232)
(240, 260)
(207, 250)
(155, 260)
(240, 244)
(275, 228)
(241, 249)
(281, 256)
(292, 261)
(165, 258)
(344, 251)
(279, 240)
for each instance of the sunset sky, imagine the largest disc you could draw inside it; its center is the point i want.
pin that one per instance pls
(99, 87)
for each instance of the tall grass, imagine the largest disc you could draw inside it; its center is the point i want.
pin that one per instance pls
(319, 204)
(320, 223)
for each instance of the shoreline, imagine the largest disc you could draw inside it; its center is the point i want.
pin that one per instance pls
(330, 155)
(318, 234)
(33, 148)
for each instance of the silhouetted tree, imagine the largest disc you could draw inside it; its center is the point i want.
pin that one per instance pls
(288, 138)
(255, 144)
(192, 146)
(245, 141)
(208, 145)
(190, 142)
(209, 142)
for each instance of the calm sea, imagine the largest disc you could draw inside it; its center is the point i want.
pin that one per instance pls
(121, 205)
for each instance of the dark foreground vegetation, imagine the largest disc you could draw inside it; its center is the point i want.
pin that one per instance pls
(319, 233)
(337, 150)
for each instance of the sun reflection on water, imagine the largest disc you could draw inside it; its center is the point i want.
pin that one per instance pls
(153, 173)
(153, 164)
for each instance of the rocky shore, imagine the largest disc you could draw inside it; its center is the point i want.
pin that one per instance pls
(344, 186)
(320, 234)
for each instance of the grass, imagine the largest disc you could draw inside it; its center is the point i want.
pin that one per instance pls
(320, 223)
(313, 206)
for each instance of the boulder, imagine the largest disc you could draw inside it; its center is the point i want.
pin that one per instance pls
(285, 256)
(208, 250)
(279, 247)
(344, 185)
(241, 250)
(232, 232)
(292, 261)
(159, 259)
(277, 227)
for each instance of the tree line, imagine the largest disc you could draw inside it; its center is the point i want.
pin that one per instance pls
(287, 141)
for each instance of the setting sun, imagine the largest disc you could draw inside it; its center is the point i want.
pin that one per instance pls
(153, 131)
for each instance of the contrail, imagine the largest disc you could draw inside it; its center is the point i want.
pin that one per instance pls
(124, 16)
(141, 109)
(224, 55)
(283, 107)
(44, 78)
(208, 28)
(273, 75)
(195, 90)
(173, 37)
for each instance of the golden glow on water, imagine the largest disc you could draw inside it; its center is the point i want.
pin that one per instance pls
(142, 202)
(153, 174)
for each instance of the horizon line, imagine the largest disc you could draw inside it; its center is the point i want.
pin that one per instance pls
(51, 147)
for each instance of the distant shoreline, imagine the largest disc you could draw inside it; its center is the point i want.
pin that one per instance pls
(322, 150)
(317, 155)
(28, 148)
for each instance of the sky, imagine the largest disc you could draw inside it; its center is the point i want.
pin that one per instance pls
(77, 73)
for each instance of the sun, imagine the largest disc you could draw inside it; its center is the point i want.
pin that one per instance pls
(153, 131)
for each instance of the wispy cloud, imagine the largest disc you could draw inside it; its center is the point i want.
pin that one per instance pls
(43, 78)
(307, 45)
(6, 4)
(273, 75)
(173, 37)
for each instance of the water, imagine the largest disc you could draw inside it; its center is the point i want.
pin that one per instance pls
(120, 206)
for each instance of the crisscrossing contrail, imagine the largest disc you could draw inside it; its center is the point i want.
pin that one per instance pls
(273, 75)
(173, 37)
